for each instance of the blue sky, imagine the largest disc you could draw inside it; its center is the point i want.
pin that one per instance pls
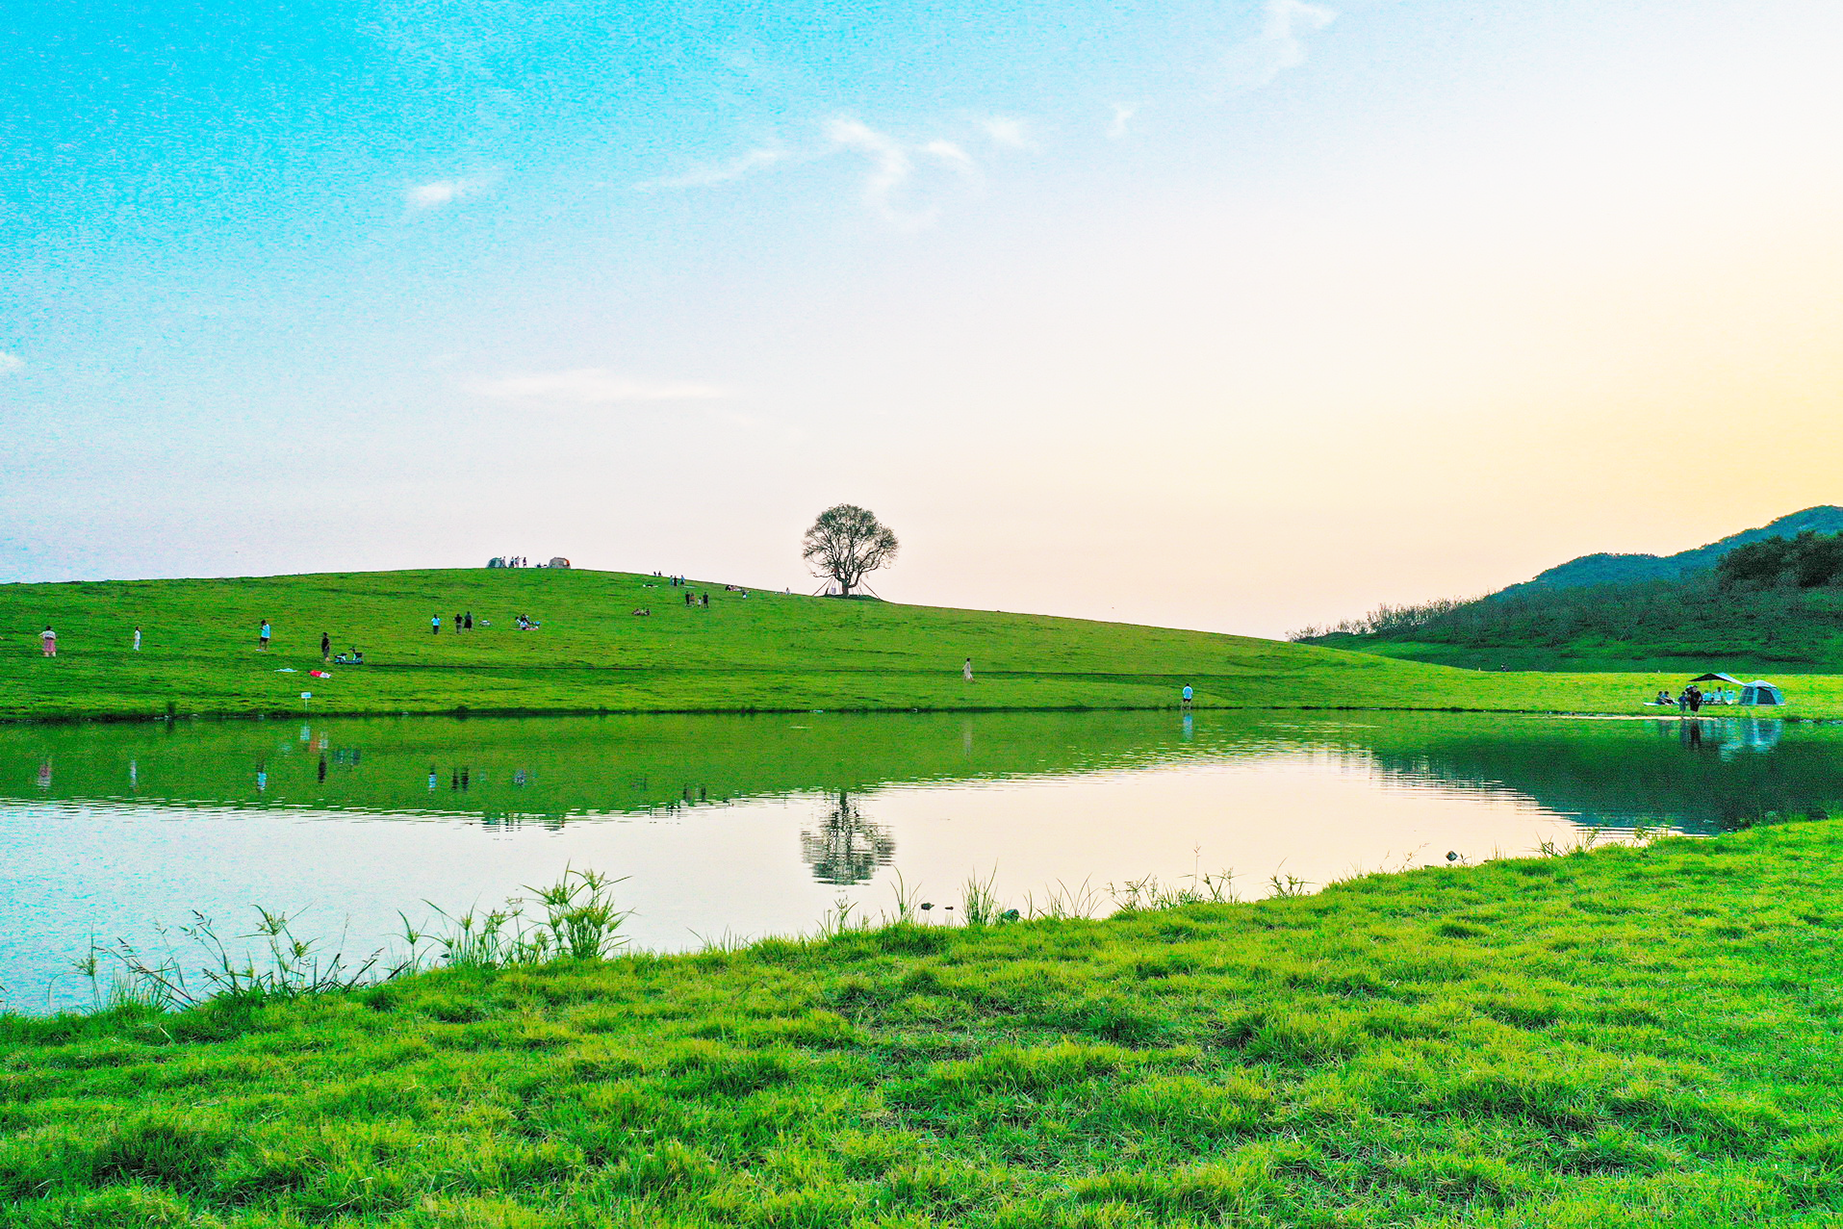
(1234, 315)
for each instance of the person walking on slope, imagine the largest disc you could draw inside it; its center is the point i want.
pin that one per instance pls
(435, 625)
(966, 671)
(326, 648)
(262, 636)
(48, 641)
(137, 640)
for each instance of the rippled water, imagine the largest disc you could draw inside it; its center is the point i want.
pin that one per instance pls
(743, 826)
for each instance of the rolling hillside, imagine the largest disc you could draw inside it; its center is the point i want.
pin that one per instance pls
(740, 653)
(1687, 611)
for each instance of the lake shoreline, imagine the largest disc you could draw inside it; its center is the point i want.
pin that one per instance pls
(464, 712)
(1612, 1030)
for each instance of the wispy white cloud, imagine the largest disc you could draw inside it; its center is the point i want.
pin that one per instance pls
(439, 192)
(893, 167)
(726, 172)
(950, 155)
(1008, 131)
(10, 363)
(890, 164)
(593, 386)
(1279, 46)
(1123, 113)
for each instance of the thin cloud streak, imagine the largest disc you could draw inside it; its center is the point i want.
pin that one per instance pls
(728, 172)
(593, 386)
(10, 363)
(893, 166)
(437, 193)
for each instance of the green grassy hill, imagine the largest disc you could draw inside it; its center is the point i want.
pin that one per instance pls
(1686, 626)
(1603, 569)
(1769, 599)
(1616, 1039)
(762, 651)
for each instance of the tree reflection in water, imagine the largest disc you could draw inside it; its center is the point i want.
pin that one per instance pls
(846, 848)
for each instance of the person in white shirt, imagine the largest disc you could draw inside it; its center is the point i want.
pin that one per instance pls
(137, 640)
(48, 640)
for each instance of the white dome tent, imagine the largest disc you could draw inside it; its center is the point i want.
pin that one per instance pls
(1761, 693)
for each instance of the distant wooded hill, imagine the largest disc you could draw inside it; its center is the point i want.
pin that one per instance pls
(1766, 598)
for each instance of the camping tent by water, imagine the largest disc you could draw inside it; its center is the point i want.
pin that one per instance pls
(1761, 692)
(1717, 678)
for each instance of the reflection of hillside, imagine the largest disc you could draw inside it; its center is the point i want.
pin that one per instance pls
(558, 766)
(542, 771)
(1703, 776)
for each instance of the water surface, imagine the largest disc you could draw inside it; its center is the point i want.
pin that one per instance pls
(744, 826)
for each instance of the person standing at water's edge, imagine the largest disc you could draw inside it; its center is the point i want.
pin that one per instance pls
(262, 636)
(966, 671)
(48, 641)
(1187, 695)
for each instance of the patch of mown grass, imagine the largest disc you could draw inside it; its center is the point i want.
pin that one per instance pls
(1607, 1038)
(763, 651)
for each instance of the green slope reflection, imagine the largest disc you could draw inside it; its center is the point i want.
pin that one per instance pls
(1700, 776)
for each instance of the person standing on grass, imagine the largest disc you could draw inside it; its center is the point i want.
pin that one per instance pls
(137, 640)
(326, 648)
(48, 641)
(435, 625)
(966, 671)
(262, 636)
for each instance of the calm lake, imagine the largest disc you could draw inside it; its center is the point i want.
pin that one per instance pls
(747, 826)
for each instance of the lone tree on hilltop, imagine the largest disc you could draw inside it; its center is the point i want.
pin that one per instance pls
(846, 542)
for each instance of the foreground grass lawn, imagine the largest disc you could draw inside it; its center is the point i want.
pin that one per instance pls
(1618, 1038)
(763, 651)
